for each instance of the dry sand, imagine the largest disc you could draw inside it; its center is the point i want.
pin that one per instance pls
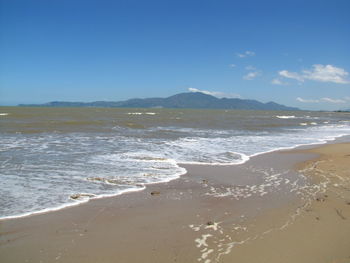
(261, 211)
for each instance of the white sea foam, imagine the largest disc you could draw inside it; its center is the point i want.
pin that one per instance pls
(68, 204)
(127, 160)
(4, 114)
(285, 116)
(141, 113)
(307, 117)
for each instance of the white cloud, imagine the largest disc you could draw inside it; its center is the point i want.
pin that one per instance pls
(327, 73)
(278, 82)
(307, 100)
(291, 75)
(318, 72)
(246, 54)
(232, 65)
(329, 100)
(251, 75)
(217, 94)
(333, 100)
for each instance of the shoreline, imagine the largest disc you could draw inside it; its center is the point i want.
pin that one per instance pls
(182, 165)
(184, 220)
(321, 233)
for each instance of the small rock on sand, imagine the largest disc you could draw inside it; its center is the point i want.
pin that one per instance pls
(80, 196)
(321, 198)
(155, 193)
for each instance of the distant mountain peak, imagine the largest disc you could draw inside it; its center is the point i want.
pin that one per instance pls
(191, 100)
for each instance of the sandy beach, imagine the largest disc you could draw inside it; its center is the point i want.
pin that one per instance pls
(211, 214)
(174, 131)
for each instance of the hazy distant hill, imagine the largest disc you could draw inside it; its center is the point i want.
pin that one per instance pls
(346, 110)
(191, 100)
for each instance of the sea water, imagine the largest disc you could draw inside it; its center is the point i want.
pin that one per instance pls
(51, 158)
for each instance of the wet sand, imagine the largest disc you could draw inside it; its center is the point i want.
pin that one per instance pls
(262, 211)
(321, 233)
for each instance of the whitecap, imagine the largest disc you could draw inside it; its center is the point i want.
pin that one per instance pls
(127, 160)
(285, 116)
(141, 113)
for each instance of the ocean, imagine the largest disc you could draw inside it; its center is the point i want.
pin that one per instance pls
(52, 158)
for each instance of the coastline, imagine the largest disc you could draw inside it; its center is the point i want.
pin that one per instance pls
(322, 231)
(181, 220)
(182, 166)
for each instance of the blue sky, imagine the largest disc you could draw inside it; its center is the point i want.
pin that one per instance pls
(291, 52)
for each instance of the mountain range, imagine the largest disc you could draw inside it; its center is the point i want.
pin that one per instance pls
(190, 100)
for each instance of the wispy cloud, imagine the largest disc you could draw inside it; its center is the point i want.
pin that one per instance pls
(250, 67)
(232, 65)
(278, 82)
(252, 75)
(320, 73)
(291, 75)
(217, 94)
(307, 100)
(246, 54)
(330, 100)
(325, 99)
